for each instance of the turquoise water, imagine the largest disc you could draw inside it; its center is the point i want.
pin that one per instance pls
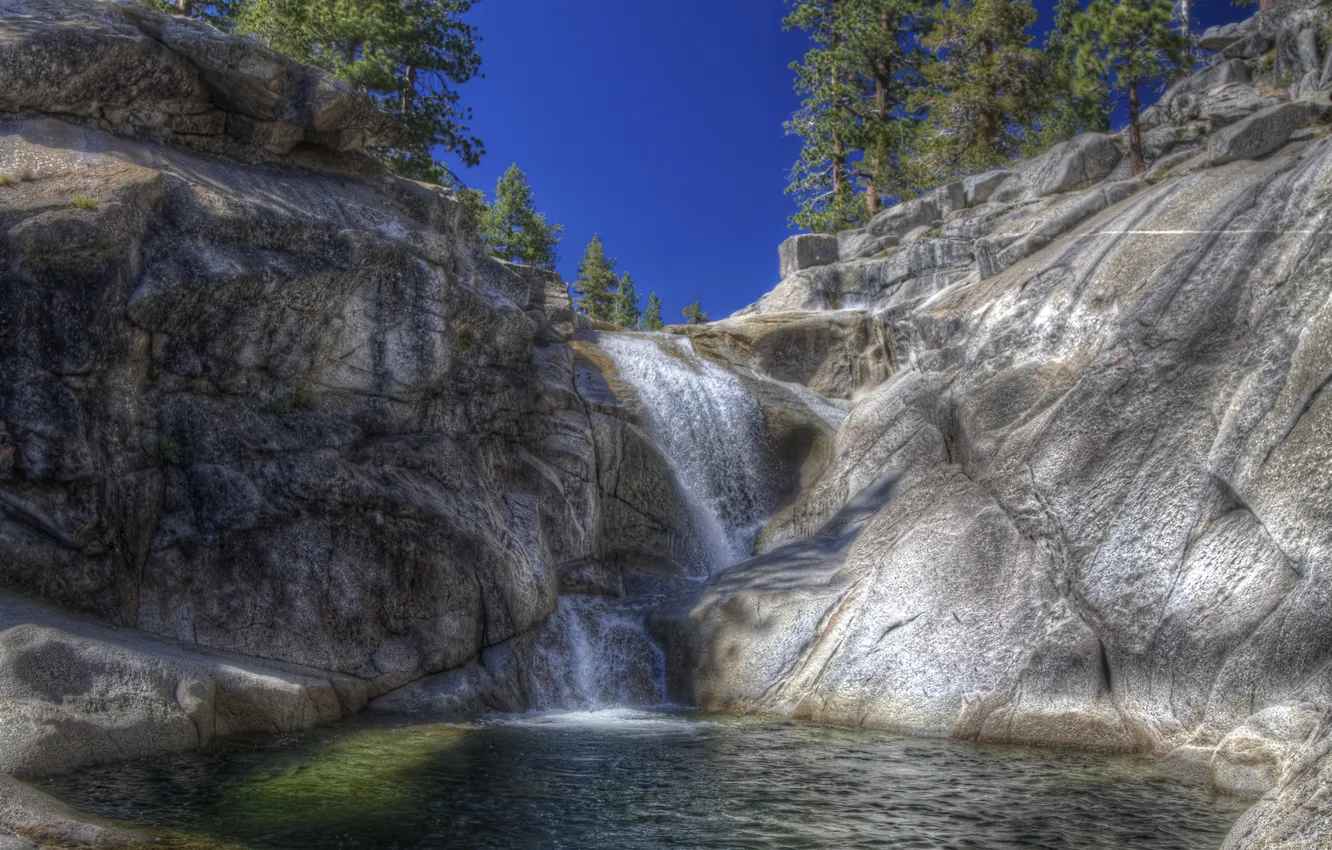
(633, 779)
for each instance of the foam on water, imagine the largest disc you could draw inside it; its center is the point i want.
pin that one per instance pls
(594, 652)
(606, 719)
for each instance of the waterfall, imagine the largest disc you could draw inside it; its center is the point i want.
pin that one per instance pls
(712, 432)
(595, 652)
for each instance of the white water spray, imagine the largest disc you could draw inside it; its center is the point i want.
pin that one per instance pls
(712, 432)
(594, 652)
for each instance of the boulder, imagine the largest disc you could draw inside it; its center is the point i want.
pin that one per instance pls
(979, 187)
(858, 243)
(142, 72)
(1191, 97)
(1251, 46)
(1261, 133)
(30, 818)
(1074, 164)
(838, 355)
(1297, 814)
(902, 218)
(1296, 50)
(1221, 37)
(1251, 759)
(75, 693)
(807, 251)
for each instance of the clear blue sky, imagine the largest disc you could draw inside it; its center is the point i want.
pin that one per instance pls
(657, 126)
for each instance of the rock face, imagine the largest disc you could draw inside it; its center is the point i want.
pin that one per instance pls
(137, 71)
(272, 417)
(74, 692)
(1080, 511)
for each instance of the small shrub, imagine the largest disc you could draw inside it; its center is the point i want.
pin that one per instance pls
(6, 180)
(282, 406)
(835, 300)
(26, 175)
(166, 451)
(1268, 62)
(83, 202)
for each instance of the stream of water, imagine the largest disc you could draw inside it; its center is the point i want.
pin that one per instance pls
(625, 779)
(712, 432)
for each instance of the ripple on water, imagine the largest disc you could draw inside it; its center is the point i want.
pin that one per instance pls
(625, 778)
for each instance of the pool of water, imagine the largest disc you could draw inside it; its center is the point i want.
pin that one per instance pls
(633, 779)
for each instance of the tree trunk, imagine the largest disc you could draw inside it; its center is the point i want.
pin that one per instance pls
(408, 94)
(883, 77)
(1135, 131)
(987, 123)
(839, 165)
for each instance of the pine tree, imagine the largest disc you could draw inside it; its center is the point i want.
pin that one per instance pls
(512, 229)
(1077, 104)
(652, 316)
(1125, 43)
(596, 283)
(829, 87)
(856, 118)
(409, 56)
(882, 36)
(626, 303)
(985, 83)
(694, 314)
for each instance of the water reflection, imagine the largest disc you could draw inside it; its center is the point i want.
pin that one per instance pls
(635, 779)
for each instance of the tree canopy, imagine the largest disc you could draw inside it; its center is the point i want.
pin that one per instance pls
(985, 85)
(652, 316)
(900, 96)
(596, 285)
(510, 227)
(1124, 44)
(626, 303)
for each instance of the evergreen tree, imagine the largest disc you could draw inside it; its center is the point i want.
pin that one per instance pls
(596, 283)
(626, 303)
(856, 118)
(985, 83)
(1125, 43)
(652, 316)
(512, 229)
(408, 54)
(829, 89)
(1077, 103)
(694, 314)
(882, 36)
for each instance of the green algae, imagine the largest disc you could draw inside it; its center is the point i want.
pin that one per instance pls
(363, 776)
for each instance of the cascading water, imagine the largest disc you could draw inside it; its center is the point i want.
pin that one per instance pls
(594, 652)
(711, 430)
